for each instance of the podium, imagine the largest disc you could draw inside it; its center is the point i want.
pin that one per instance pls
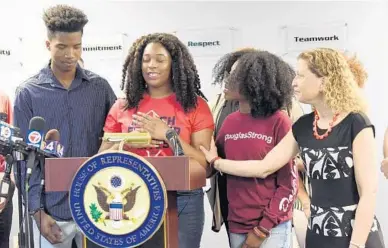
(178, 174)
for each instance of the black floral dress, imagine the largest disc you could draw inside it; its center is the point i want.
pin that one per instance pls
(334, 196)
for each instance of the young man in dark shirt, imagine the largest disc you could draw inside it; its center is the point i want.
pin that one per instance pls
(72, 100)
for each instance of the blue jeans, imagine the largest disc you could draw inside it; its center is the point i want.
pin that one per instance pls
(191, 218)
(280, 237)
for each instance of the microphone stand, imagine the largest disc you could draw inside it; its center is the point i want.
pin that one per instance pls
(35, 155)
(26, 239)
(18, 153)
(31, 159)
(175, 144)
(13, 149)
(18, 178)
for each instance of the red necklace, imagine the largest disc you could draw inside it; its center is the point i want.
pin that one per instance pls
(316, 135)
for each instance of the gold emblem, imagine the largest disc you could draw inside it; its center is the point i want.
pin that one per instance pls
(118, 199)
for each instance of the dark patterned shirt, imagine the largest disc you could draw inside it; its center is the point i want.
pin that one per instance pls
(334, 196)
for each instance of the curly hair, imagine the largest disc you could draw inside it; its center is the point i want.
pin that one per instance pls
(223, 66)
(358, 70)
(185, 79)
(265, 80)
(64, 18)
(341, 92)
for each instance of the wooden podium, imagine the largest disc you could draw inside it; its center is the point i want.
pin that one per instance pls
(178, 173)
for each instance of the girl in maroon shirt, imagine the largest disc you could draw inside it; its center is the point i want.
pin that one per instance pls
(261, 82)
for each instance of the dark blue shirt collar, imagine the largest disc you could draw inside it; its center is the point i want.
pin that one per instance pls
(48, 74)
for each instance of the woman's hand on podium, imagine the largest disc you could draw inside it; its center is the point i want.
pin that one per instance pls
(48, 227)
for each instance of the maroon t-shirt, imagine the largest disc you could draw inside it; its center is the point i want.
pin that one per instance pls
(254, 201)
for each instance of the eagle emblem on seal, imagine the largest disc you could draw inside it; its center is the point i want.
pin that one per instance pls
(114, 203)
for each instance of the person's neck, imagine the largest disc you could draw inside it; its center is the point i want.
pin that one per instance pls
(244, 107)
(324, 112)
(160, 92)
(65, 78)
(326, 116)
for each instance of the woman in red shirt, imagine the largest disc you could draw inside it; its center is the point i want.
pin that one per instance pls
(162, 89)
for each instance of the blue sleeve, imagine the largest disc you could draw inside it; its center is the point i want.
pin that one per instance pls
(22, 116)
(110, 98)
(22, 110)
(34, 191)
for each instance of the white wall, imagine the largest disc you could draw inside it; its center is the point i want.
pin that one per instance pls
(259, 24)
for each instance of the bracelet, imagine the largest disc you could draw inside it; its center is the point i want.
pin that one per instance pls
(357, 245)
(265, 231)
(259, 233)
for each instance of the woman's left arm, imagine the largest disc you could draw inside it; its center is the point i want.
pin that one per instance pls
(365, 158)
(199, 138)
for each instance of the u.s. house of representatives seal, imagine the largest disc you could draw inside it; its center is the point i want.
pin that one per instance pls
(118, 199)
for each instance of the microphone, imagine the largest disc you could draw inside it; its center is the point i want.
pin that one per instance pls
(16, 134)
(6, 130)
(53, 134)
(34, 140)
(51, 145)
(175, 144)
(6, 186)
(18, 156)
(35, 132)
(17, 137)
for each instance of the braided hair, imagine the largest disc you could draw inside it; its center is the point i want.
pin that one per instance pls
(185, 80)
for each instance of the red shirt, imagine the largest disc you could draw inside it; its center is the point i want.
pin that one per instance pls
(169, 110)
(254, 201)
(5, 107)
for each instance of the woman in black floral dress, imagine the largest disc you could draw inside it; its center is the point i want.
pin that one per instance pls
(337, 146)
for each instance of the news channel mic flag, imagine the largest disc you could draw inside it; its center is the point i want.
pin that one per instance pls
(118, 199)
